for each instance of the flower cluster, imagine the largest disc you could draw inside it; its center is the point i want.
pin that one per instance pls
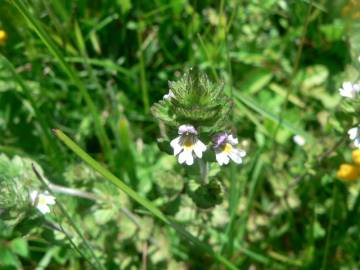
(187, 145)
(195, 104)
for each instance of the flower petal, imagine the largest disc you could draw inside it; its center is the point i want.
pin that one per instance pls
(222, 158)
(169, 95)
(187, 128)
(175, 144)
(182, 157)
(353, 133)
(242, 153)
(349, 90)
(43, 208)
(299, 140)
(33, 195)
(199, 148)
(187, 157)
(233, 140)
(357, 142)
(49, 199)
(236, 155)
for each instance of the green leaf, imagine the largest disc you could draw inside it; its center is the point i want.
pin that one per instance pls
(8, 258)
(20, 247)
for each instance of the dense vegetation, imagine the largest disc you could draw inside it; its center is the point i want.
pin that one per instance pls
(88, 179)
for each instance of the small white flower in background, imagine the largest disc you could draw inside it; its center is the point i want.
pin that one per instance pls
(299, 140)
(187, 143)
(225, 149)
(169, 95)
(42, 201)
(354, 135)
(349, 90)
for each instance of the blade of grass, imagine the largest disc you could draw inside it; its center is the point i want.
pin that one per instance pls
(45, 38)
(50, 147)
(251, 196)
(143, 83)
(252, 104)
(139, 199)
(329, 228)
(106, 63)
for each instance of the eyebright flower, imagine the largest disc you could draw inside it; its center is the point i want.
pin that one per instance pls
(224, 146)
(356, 156)
(187, 143)
(42, 201)
(3, 37)
(169, 95)
(349, 90)
(299, 140)
(348, 172)
(354, 135)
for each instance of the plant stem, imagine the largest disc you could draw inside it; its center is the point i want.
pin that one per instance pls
(203, 166)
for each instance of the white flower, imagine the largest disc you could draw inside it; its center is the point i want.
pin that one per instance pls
(299, 140)
(354, 135)
(349, 90)
(169, 95)
(225, 149)
(42, 201)
(187, 143)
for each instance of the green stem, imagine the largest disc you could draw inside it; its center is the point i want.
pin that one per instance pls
(203, 166)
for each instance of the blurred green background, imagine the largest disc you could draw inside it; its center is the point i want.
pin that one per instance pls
(94, 68)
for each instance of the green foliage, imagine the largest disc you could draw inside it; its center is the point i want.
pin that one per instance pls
(208, 195)
(16, 182)
(197, 101)
(92, 68)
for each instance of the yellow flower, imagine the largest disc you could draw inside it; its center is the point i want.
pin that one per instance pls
(356, 156)
(348, 172)
(3, 37)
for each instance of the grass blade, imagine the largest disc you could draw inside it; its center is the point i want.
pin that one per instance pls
(45, 38)
(139, 199)
(252, 104)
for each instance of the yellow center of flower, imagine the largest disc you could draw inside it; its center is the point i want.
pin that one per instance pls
(42, 200)
(348, 172)
(227, 148)
(188, 144)
(356, 156)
